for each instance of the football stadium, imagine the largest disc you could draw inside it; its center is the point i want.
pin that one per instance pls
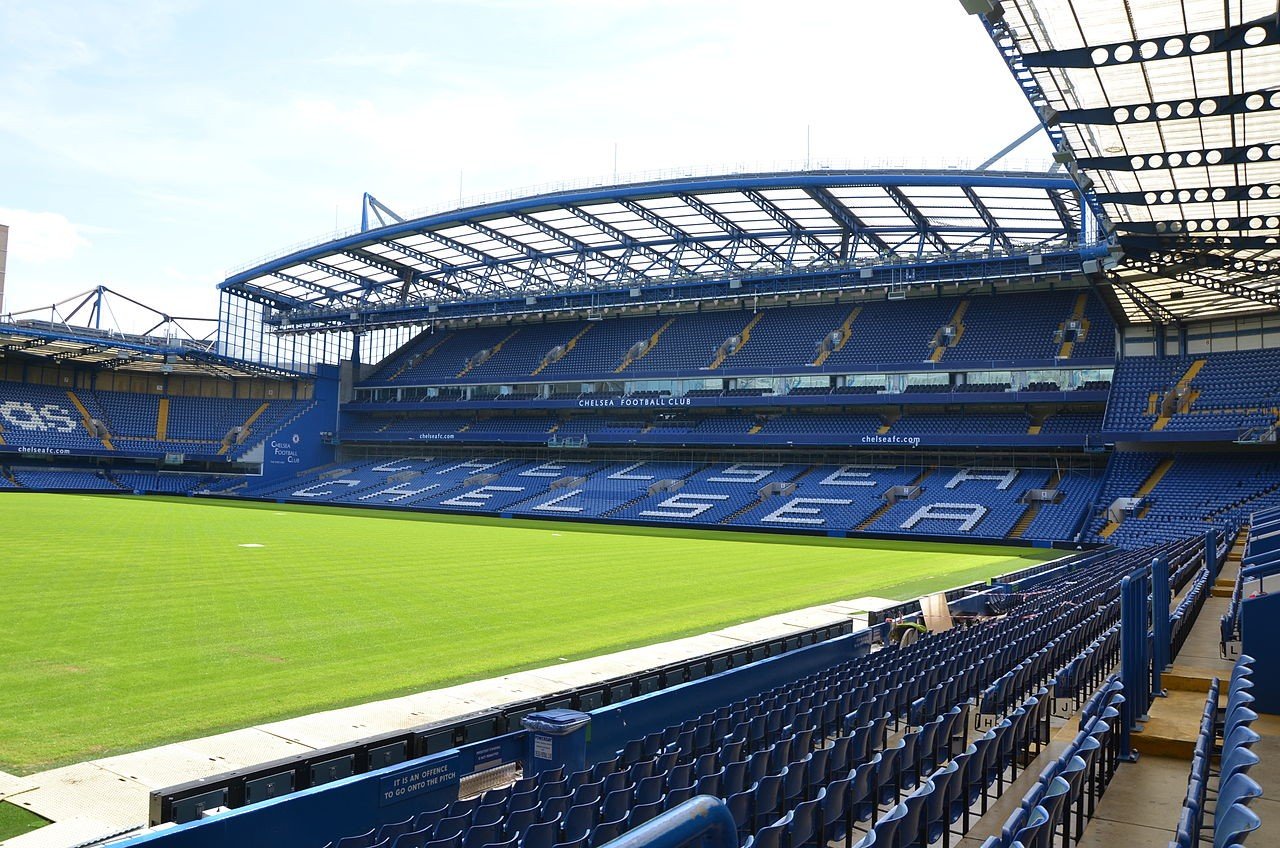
(860, 507)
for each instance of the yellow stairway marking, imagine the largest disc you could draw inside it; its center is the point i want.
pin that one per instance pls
(492, 353)
(755, 428)
(226, 443)
(957, 321)
(410, 360)
(162, 419)
(653, 340)
(884, 428)
(1077, 314)
(746, 336)
(844, 336)
(884, 507)
(1034, 429)
(1151, 403)
(567, 347)
(1178, 389)
(87, 420)
(1033, 509)
(1154, 478)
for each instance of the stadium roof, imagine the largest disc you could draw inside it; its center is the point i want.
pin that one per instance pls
(722, 227)
(1169, 112)
(79, 331)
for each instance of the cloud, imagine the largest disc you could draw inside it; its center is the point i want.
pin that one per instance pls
(40, 237)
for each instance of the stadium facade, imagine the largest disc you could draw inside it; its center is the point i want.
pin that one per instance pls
(1087, 358)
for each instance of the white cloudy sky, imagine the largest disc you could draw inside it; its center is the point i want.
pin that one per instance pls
(150, 145)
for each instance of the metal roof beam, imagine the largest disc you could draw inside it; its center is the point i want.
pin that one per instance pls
(1070, 224)
(1206, 260)
(1259, 33)
(491, 263)
(923, 227)
(1184, 272)
(537, 256)
(625, 271)
(68, 355)
(1246, 154)
(331, 294)
(734, 232)
(1218, 194)
(798, 232)
(346, 276)
(1197, 226)
(672, 264)
(847, 218)
(27, 345)
(1197, 242)
(1155, 312)
(1246, 102)
(993, 226)
(440, 265)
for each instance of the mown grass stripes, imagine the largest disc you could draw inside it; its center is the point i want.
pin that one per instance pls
(133, 622)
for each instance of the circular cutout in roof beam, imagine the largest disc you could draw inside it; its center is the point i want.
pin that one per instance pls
(1200, 43)
(1173, 47)
(1099, 55)
(1149, 49)
(1254, 102)
(1255, 35)
(1123, 53)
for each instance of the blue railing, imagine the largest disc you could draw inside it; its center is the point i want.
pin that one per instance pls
(701, 821)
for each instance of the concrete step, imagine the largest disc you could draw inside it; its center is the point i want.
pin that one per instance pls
(1173, 727)
(1221, 592)
(1188, 678)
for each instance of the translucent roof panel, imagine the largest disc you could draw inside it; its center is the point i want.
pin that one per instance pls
(647, 233)
(1169, 111)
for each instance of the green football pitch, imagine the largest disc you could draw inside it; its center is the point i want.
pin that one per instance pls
(133, 622)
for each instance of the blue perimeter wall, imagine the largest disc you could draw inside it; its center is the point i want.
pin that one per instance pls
(312, 817)
(299, 446)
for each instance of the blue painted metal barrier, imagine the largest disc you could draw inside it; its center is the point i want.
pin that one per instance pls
(1211, 554)
(1135, 656)
(701, 821)
(1161, 630)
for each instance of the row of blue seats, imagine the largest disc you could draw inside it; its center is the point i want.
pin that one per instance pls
(1067, 789)
(1228, 737)
(812, 749)
(1004, 327)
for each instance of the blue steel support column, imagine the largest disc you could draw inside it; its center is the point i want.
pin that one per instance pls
(1211, 554)
(1162, 641)
(1135, 665)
